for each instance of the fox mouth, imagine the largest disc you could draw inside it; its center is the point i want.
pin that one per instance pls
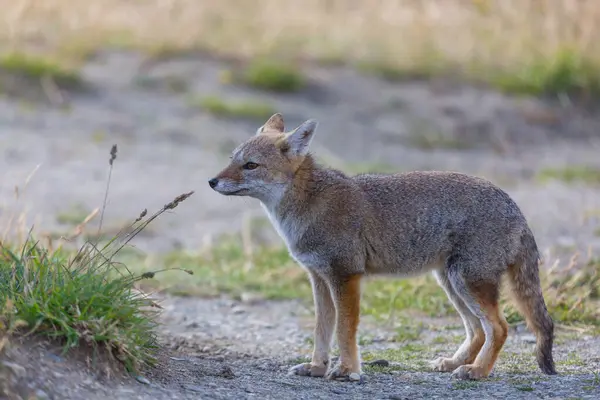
(235, 192)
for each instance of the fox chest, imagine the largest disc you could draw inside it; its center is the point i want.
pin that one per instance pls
(291, 233)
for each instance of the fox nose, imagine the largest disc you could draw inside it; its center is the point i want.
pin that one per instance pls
(213, 182)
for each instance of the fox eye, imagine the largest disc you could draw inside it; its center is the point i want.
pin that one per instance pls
(250, 165)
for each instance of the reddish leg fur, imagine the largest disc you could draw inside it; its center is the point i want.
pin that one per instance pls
(346, 294)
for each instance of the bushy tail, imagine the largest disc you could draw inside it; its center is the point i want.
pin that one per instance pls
(527, 291)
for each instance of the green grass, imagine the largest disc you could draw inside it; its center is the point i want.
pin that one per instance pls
(432, 139)
(565, 72)
(391, 72)
(247, 109)
(273, 76)
(572, 295)
(74, 215)
(81, 299)
(571, 174)
(525, 388)
(568, 72)
(76, 301)
(408, 357)
(35, 67)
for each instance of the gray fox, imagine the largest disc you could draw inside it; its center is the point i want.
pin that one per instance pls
(463, 229)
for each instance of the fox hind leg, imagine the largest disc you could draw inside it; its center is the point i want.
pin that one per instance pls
(480, 294)
(475, 336)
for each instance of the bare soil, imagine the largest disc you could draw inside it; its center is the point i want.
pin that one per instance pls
(218, 348)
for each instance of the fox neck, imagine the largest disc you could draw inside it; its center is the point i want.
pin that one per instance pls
(290, 209)
(298, 188)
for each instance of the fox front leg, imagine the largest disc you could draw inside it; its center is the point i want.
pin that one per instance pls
(325, 321)
(346, 296)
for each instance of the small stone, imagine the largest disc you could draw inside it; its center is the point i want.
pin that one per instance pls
(143, 380)
(354, 377)
(40, 394)
(238, 310)
(380, 363)
(54, 357)
(250, 298)
(17, 369)
(226, 372)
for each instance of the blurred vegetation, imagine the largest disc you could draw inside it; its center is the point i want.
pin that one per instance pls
(238, 109)
(523, 46)
(37, 67)
(571, 174)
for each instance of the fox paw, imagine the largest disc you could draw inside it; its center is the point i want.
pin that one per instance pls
(307, 369)
(342, 373)
(469, 372)
(443, 364)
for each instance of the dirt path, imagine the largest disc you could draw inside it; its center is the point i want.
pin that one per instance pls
(219, 349)
(167, 146)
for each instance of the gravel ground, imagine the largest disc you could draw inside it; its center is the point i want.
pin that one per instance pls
(220, 349)
(215, 348)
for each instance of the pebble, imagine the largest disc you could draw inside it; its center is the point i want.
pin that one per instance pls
(238, 310)
(379, 363)
(251, 298)
(143, 380)
(354, 377)
(17, 369)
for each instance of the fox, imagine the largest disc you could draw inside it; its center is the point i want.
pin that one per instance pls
(463, 229)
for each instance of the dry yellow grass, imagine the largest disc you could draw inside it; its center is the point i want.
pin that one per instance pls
(408, 35)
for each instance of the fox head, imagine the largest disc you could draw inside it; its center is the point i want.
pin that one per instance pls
(265, 165)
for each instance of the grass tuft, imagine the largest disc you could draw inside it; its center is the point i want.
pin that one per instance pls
(567, 72)
(76, 301)
(82, 299)
(273, 76)
(571, 174)
(392, 72)
(73, 215)
(36, 67)
(246, 109)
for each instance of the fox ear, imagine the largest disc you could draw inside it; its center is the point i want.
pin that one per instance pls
(299, 139)
(274, 125)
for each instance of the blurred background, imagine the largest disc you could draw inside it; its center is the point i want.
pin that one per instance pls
(502, 89)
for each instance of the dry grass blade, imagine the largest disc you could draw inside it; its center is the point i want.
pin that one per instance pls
(113, 156)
